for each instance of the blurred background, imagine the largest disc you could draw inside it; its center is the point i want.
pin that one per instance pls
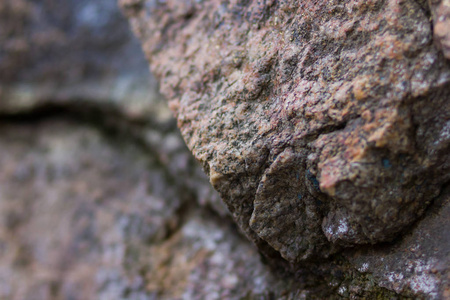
(99, 197)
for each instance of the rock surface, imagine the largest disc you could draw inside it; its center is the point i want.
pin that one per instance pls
(341, 107)
(324, 125)
(53, 51)
(100, 199)
(440, 10)
(88, 216)
(80, 59)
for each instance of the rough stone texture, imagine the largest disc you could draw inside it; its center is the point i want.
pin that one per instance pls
(100, 199)
(418, 264)
(352, 95)
(323, 124)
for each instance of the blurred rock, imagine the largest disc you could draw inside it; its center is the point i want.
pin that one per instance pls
(80, 59)
(73, 50)
(88, 217)
(440, 10)
(71, 206)
(98, 192)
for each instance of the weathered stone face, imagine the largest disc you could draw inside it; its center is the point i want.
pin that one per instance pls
(323, 124)
(99, 199)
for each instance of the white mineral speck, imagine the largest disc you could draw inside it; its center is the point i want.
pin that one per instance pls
(343, 226)
(424, 281)
(364, 267)
(394, 277)
(342, 290)
(330, 231)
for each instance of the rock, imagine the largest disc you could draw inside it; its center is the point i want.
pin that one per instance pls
(346, 94)
(100, 199)
(80, 59)
(97, 189)
(84, 50)
(324, 126)
(86, 216)
(440, 10)
(71, 208)
(416, 265)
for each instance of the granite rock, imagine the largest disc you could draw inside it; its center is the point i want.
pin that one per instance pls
(299, 113)
(322, 124)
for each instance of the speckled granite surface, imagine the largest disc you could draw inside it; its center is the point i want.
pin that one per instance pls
(324, 127)
(323, 124)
